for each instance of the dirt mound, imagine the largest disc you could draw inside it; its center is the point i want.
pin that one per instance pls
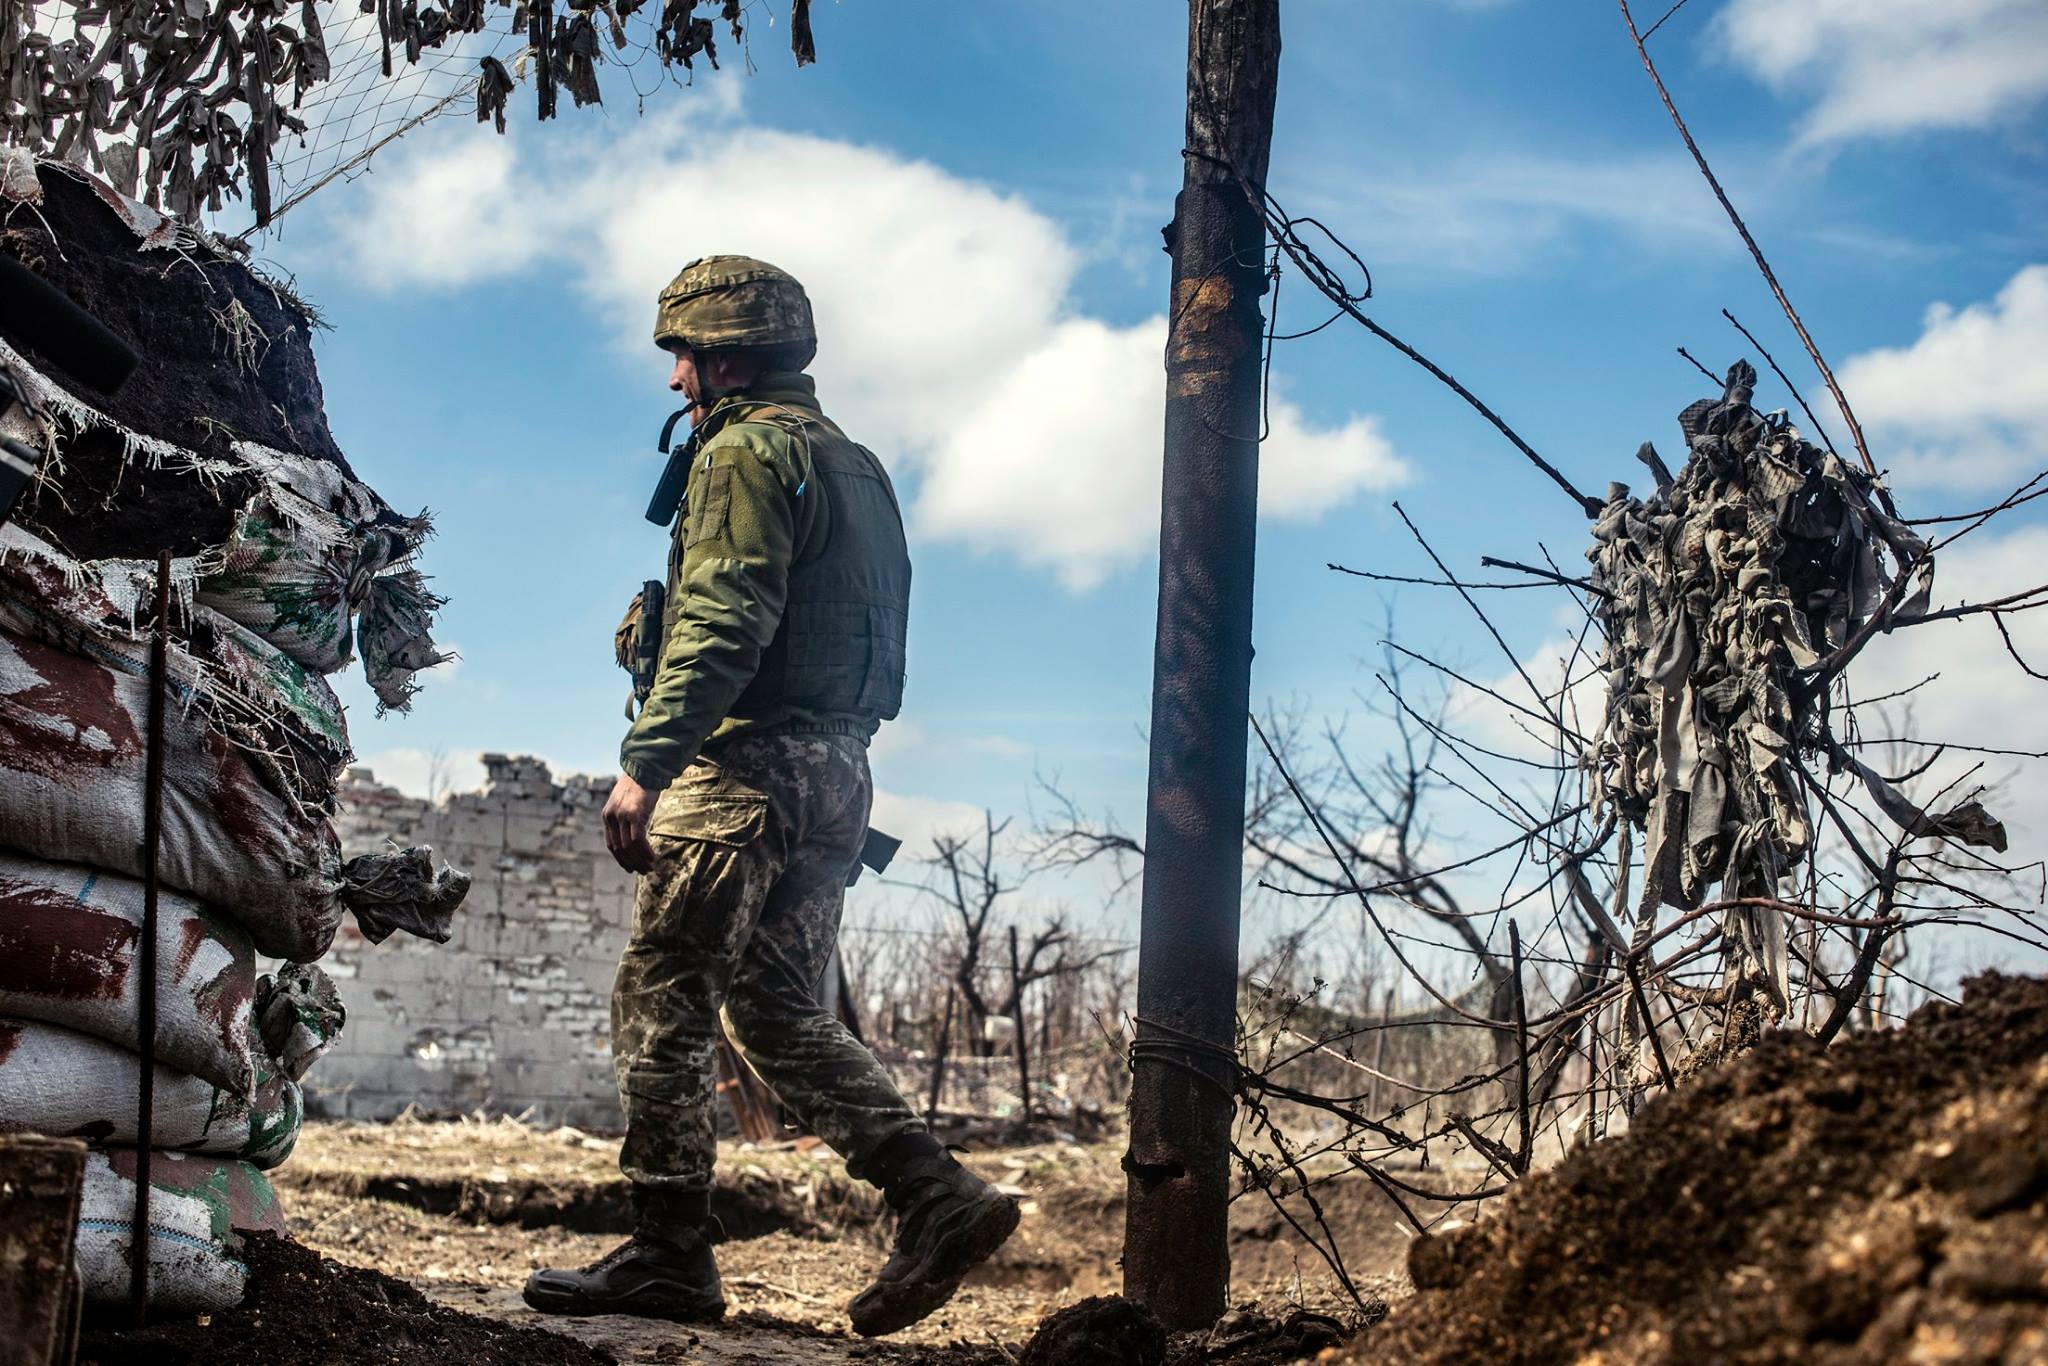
(1110, 1330)
(225, 356)
(1107, 1330)
(302, 1308)
(1882, 1201)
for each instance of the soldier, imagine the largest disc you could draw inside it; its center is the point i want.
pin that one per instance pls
(744, 805)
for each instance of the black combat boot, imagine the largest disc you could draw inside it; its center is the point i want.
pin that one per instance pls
(664, 1271)
(951, 1221)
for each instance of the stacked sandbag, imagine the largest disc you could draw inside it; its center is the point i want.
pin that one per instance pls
(253, 742)
(231, 1048)
(72, 1084)
(288, 568)
(70, 940)
(60, 1082)
(198, 1206)
(314, 565)
(249, 863)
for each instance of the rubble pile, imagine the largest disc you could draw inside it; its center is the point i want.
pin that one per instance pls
(286, 568)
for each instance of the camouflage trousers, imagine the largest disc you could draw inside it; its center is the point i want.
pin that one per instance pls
(739, 919)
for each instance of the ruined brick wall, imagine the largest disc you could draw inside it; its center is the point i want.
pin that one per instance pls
(513, 1012)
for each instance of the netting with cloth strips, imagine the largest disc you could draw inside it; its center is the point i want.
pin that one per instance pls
(1727, 598)
(189, 105)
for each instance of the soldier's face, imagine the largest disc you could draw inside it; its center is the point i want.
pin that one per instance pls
(684, 379)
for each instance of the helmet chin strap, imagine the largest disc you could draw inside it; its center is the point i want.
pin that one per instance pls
(710, 395)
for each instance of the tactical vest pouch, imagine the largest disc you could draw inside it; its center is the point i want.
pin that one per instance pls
(626, 640)
(881, 687)
(637, 642)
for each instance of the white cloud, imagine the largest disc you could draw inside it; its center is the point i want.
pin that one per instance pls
(895, 739)
(949, 338)
(1519, 729)
(1981, 697)
(1884, 67)
(437, 195)
(1966, 405)
(915, 820)
(1305, 471)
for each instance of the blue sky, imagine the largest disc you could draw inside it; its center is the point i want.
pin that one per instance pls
(974, 194)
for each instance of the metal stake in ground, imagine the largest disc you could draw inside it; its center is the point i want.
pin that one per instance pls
(1176, 1252)
(145, 1034)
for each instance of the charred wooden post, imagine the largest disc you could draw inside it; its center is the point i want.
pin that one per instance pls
(40, 1183)
(939, 1047)
(1022, 1041)
(1176, 1253)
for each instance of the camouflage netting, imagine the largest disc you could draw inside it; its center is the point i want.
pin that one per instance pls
(1724, 597)
(188, 104)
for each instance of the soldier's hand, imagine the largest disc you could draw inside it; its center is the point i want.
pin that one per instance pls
(626, 814)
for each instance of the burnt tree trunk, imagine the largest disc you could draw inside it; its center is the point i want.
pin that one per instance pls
(1176, 1253)
(1023, 1039)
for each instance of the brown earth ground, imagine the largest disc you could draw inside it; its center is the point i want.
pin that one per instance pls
(465, 1210)
(1882, 1201)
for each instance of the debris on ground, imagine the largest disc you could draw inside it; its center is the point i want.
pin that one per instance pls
(301, 1307)
(1246, 1337)
(466, 1209)
(1884, 1200)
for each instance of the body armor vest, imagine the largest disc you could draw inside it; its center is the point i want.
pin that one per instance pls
(838, 651)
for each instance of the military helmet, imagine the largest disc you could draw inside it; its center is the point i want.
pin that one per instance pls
(736, 302)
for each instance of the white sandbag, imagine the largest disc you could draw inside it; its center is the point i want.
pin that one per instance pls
(254, 742)
(72, 767)
(296, 574)
(72, 763)
(57, 1081)
(68, 956)
(198, 1205)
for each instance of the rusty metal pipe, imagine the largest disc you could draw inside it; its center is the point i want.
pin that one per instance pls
(1176, 1250)
(152, 840)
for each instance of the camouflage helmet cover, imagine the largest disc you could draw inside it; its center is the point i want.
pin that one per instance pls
(720, 302)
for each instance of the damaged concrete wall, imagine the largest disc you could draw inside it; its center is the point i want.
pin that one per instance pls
(514, 1012)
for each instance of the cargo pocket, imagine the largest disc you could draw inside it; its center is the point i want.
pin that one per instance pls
(731, 819)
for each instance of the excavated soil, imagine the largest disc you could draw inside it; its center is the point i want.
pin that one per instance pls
(1878, 1202)
(303, 1308)
(200, 384)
